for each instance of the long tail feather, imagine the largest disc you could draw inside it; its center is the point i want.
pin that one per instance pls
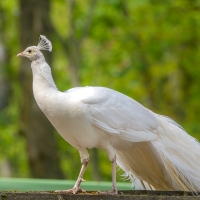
(172, 162)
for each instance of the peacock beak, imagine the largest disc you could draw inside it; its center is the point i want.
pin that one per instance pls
(21, 54)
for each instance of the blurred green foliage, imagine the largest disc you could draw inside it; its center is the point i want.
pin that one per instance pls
(146, 49)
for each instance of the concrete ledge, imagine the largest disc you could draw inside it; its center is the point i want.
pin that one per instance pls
(128, 195)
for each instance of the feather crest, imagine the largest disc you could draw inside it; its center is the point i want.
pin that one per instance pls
(44, 43)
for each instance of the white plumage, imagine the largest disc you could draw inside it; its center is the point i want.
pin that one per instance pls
(153, 150)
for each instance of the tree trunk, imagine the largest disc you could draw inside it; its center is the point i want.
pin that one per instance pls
(41, 144)
(4, 83)
(4, 59)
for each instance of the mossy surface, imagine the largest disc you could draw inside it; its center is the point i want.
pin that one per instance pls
(93, 195)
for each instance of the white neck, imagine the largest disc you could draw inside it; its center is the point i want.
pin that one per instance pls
(44, 88)
(42, 73)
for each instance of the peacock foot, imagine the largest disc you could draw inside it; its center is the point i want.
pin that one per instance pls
(74, 190)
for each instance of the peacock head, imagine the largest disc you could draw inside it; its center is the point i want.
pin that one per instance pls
(34, 52)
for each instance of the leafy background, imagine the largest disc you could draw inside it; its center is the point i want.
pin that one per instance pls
(146, 49)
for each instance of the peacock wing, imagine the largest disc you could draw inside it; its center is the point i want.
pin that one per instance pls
(121, 116)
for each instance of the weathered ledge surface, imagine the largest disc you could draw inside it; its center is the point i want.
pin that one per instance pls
(138, 195)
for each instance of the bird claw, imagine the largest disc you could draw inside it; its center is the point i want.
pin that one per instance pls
(74, 190)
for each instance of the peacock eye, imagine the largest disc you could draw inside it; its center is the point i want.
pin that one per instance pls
(29, 51)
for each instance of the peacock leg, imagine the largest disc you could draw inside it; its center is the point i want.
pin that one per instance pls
(114, 187)
(76, 187)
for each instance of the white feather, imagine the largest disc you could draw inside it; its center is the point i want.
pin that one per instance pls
(153, 150)
(44, 43)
